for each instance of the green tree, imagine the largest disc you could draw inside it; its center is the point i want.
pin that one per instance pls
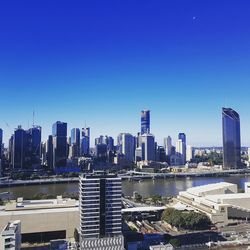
(76, 236)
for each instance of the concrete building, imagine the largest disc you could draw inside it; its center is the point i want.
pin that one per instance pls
(220, 201)
(181, 152)
(42, 220)
(100, 212)
(168, 145)
(190, 153)
(10, 238)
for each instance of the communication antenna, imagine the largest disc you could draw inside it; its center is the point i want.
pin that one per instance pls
(33, 118)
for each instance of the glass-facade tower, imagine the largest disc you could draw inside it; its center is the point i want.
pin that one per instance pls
(231, 139)
(145, 122)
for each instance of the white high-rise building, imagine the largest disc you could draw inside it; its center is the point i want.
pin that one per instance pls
(168, 145)
(126, 145)
(190, 153)
(10, 237)
(180, 151)
(100, 212)
(148, 147)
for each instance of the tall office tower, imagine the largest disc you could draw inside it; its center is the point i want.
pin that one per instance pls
(148, 147)
(75, 142)
(85, 143)
(1, 143)
(181, 152)
(20, 149)
(59, 133)
(190, 153)
(100, 212)
(49, 152)
(11, 150)
(35, 135)
(110, 143)
(248, 154)
(138, 140)
(100, 140)
(182, 137)
(101, 152)
(231, 139)
(145, 122)
(168, 145)
(126, 146)
(161, 154)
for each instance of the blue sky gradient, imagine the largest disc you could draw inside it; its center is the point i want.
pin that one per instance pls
(103, 61)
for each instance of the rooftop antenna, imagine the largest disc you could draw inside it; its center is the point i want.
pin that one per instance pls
(33, 118)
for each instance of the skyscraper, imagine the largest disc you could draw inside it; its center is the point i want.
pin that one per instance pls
(145, 121)
(190, 153)
(75, 142)
(168, 145)
(49, 152)
(126, 146)
(85, 143)
(1, 143)
(20, 149)
(181, 147)
(35, 134)
(231, 139)
(148, 147)
(100, 212)
(59, 133)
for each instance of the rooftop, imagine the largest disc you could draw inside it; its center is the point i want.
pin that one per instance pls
(209, 187)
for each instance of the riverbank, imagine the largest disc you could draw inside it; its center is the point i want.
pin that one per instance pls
(131, 175)
(148, 187)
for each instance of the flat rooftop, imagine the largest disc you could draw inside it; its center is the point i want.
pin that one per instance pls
(222, 198)
(209, 187)
(21, 204)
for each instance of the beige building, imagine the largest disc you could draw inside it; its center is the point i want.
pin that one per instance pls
(220, 201)
(44, 219)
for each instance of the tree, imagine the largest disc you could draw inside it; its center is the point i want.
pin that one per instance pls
(76, 236)
(175, 242)
(186, 220)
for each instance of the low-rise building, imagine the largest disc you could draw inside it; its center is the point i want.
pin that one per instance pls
(221, 202)
(42, 220)
(10, 237)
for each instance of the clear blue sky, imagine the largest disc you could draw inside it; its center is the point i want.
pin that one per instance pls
(103, 61)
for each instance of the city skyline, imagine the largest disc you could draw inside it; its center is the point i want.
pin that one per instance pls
(95, 134)
(101, 64)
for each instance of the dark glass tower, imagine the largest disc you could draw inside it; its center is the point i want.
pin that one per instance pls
(1, 142)
(75, 141)
(59, 133)
(35, 147)
(231, 139)
(145, 122)
(21, 156)
(182, 137)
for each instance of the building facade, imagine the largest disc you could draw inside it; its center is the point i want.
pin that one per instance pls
(100, 212)
(145, 121)
(148, 147)
(60, 146)
(231, 139)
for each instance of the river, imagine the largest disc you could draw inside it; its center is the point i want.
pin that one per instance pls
(164, 187)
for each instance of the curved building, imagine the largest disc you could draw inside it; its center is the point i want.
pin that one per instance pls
(231, 139)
